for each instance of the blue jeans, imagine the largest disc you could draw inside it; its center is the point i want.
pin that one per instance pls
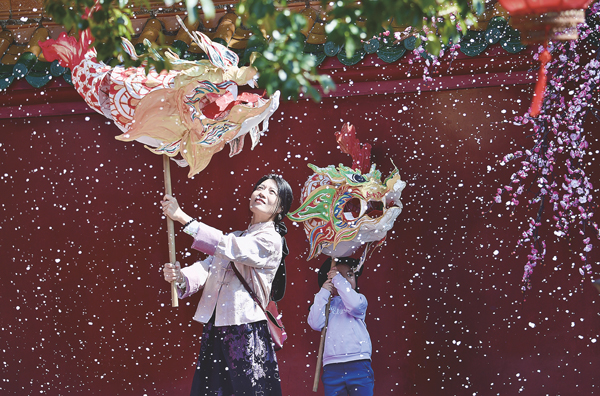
(351, 378)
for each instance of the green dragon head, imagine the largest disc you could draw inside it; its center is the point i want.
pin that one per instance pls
(342, 208)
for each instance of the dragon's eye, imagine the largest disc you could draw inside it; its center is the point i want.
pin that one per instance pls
(357, 178)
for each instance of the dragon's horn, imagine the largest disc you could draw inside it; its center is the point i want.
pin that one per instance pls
(349, 144)
(219, 55)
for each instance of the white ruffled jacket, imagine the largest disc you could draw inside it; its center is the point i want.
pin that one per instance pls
(256, 253)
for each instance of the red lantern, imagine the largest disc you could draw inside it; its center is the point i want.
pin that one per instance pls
(540, 21)
(543, 20)
(524, 7)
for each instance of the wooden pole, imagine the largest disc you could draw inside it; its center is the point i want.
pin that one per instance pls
(321, 347)
(170, 228)
(322, 343)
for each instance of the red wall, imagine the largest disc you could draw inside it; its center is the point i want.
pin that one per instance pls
(84, 309)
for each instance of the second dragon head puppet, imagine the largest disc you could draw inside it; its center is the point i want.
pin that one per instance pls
(344, 208)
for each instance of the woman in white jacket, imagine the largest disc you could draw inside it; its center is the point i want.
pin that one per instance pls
(347, 352)
(237, 356)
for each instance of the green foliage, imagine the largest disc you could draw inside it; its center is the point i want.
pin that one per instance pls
(109, 22)
(286, 67)
(283, 64)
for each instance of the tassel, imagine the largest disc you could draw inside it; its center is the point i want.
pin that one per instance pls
(540, 87)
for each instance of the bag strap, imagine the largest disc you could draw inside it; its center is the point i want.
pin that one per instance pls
(246, 286)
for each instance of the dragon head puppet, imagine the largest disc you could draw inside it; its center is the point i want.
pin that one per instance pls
(193, 110)
(344, 208)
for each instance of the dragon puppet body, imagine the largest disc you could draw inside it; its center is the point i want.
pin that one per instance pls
(192, 110)
(344, 208)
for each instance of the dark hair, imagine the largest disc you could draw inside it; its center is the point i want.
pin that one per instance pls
(326, 266)
(285, 198)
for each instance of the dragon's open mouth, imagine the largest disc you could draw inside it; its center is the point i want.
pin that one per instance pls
(217, 106)
(356, 208)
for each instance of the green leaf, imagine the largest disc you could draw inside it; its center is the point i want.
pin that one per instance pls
(208, 8)
(498, 23)
(478, 6)
(350, 47)
(312, 92)
(433, 47)
(493, 35)
(473, 43)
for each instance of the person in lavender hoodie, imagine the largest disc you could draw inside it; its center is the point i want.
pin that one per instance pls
(347, 352)
(237, 355)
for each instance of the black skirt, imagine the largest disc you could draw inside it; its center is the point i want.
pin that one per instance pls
(236, 361)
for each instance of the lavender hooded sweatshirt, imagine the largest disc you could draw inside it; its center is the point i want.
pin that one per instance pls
(347, 336)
